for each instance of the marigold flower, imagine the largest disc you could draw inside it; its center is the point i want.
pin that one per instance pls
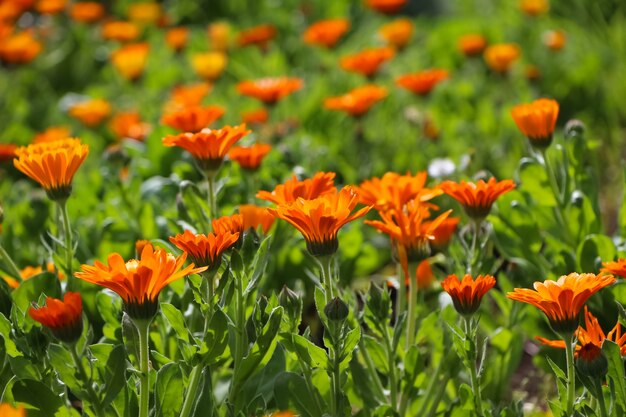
(531, 72)
(534, 7)
(250, 157)
(209, 65)
(554, 39)
(52, 164)
(368, 61)
(500, 57)
(128, 125)
(424, 275)
(192, 119)
(20, 48)
(472, 44)
(130, 60)
(393, 191)
(139, 245)
(257, 116)
(205, 250)
(148, 13)
(562, 300)
(326, 33)
(269, 90)
(258, 35)
(219, 35)
(50, 7)
(52, 134)
(293, 189)
(139, 282)
(63, 318)
(25, 273)
(477, 198)
(537, 120)
(186, 96)
(228, 224)
(87, 12)
(467, 293)
(176, 38)
(397, 33)
(358, 101)
(320, 219)
(255, 216)
(7, 410)
(442, 234)
(422, 82)
(91, 112)
(120, 31)
(7, 151)
(209, 146)
(386, 6)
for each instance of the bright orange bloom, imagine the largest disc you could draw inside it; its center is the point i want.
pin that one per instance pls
(320, 219)
(393, 191)
(477, 198)
(25, 273)
(87, 12)
(534, 7)
(249, 157)
(209, 65)
(186, 96)
(120, 31)
(472, 44)
(368, 61)
(52, 164)
(562, 300)
(192, 119)
(467, 293)
(424, 275)
(176, 38)
(422, 82)
(386, 6)
(50, 6)
(63, 318)
(615, 268)
(443, 232)
(500, 57)
(358, 101)
(20, 48)
(554, 39)
(91, 112)
(397, 33)
(130, 60)
(258, 35)
(219, 35)
(311, 188)
(10, 11)
(148, 13)
(269, 90)
(257, 116)
(128, 125)
(209, 146)
(138, 282)
(255, 216)
(228, 224)
(7, 410)
(52, 134)
(139, 245)
(327, 32)
(205, 250)
(7, 151)
(537, 120)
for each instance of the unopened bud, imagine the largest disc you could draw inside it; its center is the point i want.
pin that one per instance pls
(291, 302)
(336, 310)
(574, 127)
(591, 361)
(378, 302)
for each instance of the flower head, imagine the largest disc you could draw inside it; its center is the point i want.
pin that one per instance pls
(257, 116)
(7, 410)
(255, 216)
(368, 61)
(554, 39)
(615, 268)
(205, 250)
(228, 224)
(477, 198)
(145, 13)
(562, 300)
(87, 11)
(192, 119)
(250, 157)
(209, 65)
(326, 33)
(537, 120)
(176, 38)
(219, 35)
(25, 273)
(138, 282)
(442, 234)
(500, 57)
(50, 7)
(128, 125)
(398, 33)
(294, 189)
(423, 274)
(186, 96)
(386, 6)
(130, 60)
(472, 44)
(20, 48)
(258, 35)
(269, 90)
(7, 151)
(534, 7)
(52, 134)
(63, 318)
(422, 82)
(467, 293)
(393, 191)
(358, 101)
(91, 112)
(118, 30)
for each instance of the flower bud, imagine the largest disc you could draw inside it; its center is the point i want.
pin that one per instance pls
(379, 302)
(336, 310)
(574, 127)
(292, 304)
(591, 362)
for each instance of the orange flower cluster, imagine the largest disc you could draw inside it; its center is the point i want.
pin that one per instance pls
(393, 191)
(477, 198)
(422, 83)
(326, 33)
(320, 184)
(50, 7)
(358, 101)
(257, 116)
(269, 90)
(368, 61)
(537, 121)
(467, 293)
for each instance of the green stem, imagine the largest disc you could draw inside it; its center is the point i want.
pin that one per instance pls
(571, 376)
(240, 318)
(560, 197)
(600, 396)
(13, 269)
(441, 389)
(335, 377)
(308, 379)
(194, 383)
(475, 381)
(412, 320)
(401, 298)
(473, 255)
(67, 241)
(93, 397)
(143, 327)
(429, 391)
(212, 198)
(371, 368)
(326, 270)
(393, 378)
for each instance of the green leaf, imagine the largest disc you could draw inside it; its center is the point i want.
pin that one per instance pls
(60, 358)
(534, 182)
(291, 393)
(176, 320)
(38, 395)
(350, 341)
(560, 374)
(216, 339)
(204, 403)
(307, 351)
(113, 373)
(31, 289)
(593, 250)
(5, 331)
(131, 338)
(377, 352)
(169, 391)
(616, 371)
(258, 265)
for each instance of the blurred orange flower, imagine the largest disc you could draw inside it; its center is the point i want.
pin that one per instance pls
(422, 82)
(186, 96)
(368, 61)
(393, 191)
(87, 12)
(176, 38)
(615, 268)
(358, 101)
(269, 90)
(531, 72)
(50, 6)
(255, 216)
(293, 189)
(554, 39)
(327, 32)
(148, 13)
(397, 33)
(500, 57)
(467, 293)
(249, 157)
(7, 151)
(11, 10)
(63, 318)
(91, 112)
(386, 6)
(7, 410)
(537, 120)
(472, 44)
(130, 60)
(257, 116)
(205, 250)
(477, 198)
(258, 35)
(219, 35)
(118, 30)
(424, 275)
(534, 7)
(229, 224)
(25, 273)
(209, 65)
(20, 48)
(443, 232)
(52, 134)
(192, 119)
(128, 125)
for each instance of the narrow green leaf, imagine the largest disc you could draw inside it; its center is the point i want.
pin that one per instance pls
(169, 391)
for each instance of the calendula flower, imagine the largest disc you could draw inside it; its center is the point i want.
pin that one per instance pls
(422, 82)
(393, 191)
(130, 60)
(121, 31)
(293, 189)
(139, 282)
(386, 6)
(398, 33)
(128, 125)
(209, 65)
(531, 72)
(562, 300)
(258, 35)
(424, 275)
(186, 96)
(534, 7)
(442, 234)
(467, 293)
(554, 39)
(25, 274)
(146, 13)
(326, 33)
(20, 48)
(472, 44)
(7, 151)
(320, 219)
(50, 7)
(219, 35)
(176, 38)
(537, 121)
(91, 112)
(139, 245)
(358, 101)
(500, 57)
(52, 134)
(205, 250)
(209, 146)
(63, 318)
(228, 224)
(255, 216)
(87, 12)
(368, 61)
(257, 116)
(250, 157)
(615, 268)
(477, 198)
(7, 410)
(52, 165)
(269, 90)
(192, 119)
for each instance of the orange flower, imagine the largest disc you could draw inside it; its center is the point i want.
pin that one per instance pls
(176, 38)
(219, 35)
(63, 318)
(228, 224)
(393, 191)
(467, 293)
(326, 33)
(397, 33)
(139, 245)
(91, 112)
(52, 164)
(192, 119)
(472, 44)
(205, 250)
(138, 282)
(20, 48)
(258, 35)
(531, 72)
(537, 120)
(477, 198)
(422, 82)
(443, 232)
(386, 6)
(209, 65)
(7, 410)
(320, 219)
(562, 300)
(250, 157)
(87, 12)
(424, 275)
(255, 216)
(209, 146)
(120, 31)
(269, 90)
(130, 60)
(148, 13)
(534, 7)
(368, 61)
(186, 96)
(25, 273)
(52, 134)
(554, 39)
(128, 125)
(257, 116)
(500, 57)
(322, 183)
(50, 6)
(7, 151)
(615, 268)
(358, 101)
